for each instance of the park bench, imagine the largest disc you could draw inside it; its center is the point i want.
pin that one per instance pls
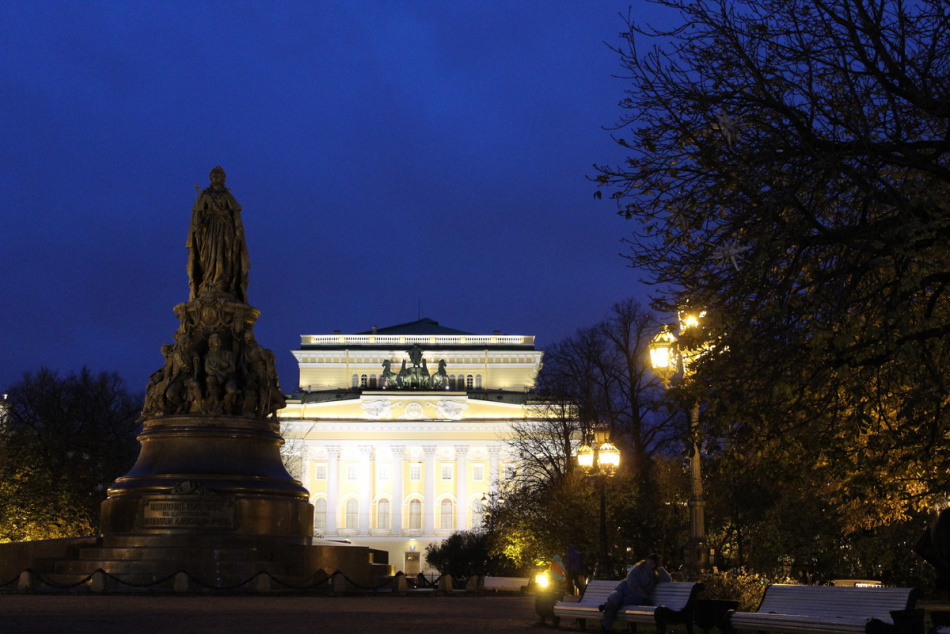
(792, 608)
(503, 584)
(670, 603)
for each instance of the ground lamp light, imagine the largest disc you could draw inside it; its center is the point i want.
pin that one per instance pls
(600, 462)
(666, 357)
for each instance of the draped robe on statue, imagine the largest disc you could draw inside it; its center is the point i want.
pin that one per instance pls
(218, 262)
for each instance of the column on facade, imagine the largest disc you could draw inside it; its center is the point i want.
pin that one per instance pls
(429, 509)
(493, 480)
(366, 491)
(333, 489)
(397, 480)
(461, 487)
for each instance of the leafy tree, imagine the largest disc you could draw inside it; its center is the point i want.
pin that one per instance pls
(462, 554)
(598, 375)
(63, 441)
(788, 171)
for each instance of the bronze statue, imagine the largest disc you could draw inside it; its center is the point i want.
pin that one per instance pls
(220, 370)
(440, 380)
(215, 367)
(218, 263)
(388, 378)
(262, 394)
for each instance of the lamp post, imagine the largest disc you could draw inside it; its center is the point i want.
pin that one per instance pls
(666, 356)
(600, 462)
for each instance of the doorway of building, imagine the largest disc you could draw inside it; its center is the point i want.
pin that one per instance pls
(413, 564)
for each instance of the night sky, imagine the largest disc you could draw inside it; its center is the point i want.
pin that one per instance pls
(394, 160)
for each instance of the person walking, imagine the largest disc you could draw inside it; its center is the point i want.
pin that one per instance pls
(574, 562)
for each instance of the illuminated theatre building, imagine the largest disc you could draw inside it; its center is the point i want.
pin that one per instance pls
(400, 433)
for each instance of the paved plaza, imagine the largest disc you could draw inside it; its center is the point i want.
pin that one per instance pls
(131, 614)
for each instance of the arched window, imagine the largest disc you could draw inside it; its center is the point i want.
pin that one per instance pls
(415, 514)
(364, 380)
(320, 515)
(352, 514)
(372, 381)
(446, 514)
(356, 380)
(478, 381)
(452, 382)
(382, 514)
(469, 382)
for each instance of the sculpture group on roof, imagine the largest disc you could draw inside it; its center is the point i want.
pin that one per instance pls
(416, 377)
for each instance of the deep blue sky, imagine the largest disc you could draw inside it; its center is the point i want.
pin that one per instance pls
(393, 159)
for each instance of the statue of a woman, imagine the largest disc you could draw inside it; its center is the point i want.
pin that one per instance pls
(217, 253)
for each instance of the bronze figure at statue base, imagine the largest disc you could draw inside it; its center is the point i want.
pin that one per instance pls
(209, 495)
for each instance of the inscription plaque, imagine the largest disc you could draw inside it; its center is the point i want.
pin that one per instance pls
(188, 512)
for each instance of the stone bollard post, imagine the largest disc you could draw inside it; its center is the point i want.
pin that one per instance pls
(181, 582)
(473, 583)
(262, 583)
(338, 584)
(445, 584)
(100, 582)
(26, 583)
(400, 586)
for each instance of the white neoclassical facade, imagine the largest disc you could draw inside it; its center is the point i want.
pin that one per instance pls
(399, 457)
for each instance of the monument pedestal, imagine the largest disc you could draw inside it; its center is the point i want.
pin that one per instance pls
(211, 497)
(209, 475)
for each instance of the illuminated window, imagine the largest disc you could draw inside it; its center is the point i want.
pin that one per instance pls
(415, 514)
(382, 514)
(447, 514)
(352, 514)
(320, 515)
(415, 471)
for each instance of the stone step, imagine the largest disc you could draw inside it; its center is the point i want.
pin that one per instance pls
(134, 540)
(178, 553)
(158, 568)
(132, 582)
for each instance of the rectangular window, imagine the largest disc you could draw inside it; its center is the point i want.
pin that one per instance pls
(382, 471)
(415, 471)
(446, 472)
(352, 473)
(320, 472)
(478, 472)
(509, 473)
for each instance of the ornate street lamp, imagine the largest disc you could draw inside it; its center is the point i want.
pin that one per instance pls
(666, 356)
(600, 462)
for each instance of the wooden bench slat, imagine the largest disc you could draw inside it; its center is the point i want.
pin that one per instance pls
(790, 608)
(674, 596)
